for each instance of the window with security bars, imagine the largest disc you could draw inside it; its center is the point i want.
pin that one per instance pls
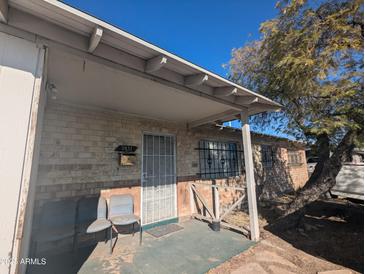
(294, 158)
(218, 159)
(267, 156)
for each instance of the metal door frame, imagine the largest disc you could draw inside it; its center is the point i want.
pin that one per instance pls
(175, 177)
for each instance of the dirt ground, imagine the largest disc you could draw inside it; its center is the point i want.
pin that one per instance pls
(329, 237)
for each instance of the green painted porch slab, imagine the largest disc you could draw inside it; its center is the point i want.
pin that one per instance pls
(165, 222)
(195, 249)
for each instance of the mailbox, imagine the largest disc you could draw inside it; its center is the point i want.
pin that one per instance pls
(127, 155)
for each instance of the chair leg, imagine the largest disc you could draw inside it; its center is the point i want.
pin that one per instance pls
(140, 233)
(133, 229)
(115, 229)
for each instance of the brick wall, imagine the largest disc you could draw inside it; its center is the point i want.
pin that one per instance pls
(77, 155)
(299, 173)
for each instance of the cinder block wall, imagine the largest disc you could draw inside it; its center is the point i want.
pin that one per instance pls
(77, 157)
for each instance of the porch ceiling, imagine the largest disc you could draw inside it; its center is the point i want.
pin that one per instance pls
(162, 76)
(85, 82)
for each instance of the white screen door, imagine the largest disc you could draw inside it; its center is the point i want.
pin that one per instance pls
(158, 178)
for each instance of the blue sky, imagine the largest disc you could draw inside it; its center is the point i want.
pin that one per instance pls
(201, 31)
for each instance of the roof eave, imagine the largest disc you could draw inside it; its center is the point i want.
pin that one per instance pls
(86, 24)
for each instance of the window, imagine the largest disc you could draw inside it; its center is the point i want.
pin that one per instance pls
(218, 159)
(313, 160)
(294, 157)
(267, 156)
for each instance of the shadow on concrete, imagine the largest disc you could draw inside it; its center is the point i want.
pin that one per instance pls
(65, 262)
(59, 242)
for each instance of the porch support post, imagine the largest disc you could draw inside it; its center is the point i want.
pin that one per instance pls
(250, 179)
(4, 11)
(216, 204)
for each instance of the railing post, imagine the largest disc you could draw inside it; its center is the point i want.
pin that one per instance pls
(216, 203)
(192, 205)
(250, 179)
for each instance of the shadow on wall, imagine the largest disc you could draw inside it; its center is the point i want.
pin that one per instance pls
(227, 196)
(59, 234)
(273, 180)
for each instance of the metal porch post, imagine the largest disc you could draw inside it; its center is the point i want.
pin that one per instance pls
(250, 179)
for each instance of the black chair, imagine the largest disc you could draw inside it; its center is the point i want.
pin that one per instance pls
(85, 215)
(56, 223)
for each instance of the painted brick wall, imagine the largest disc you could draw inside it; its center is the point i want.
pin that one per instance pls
(77, 155)
(78, 145)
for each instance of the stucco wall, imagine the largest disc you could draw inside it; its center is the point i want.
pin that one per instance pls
(20, 69)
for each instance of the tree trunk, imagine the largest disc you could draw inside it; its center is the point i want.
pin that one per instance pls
(325, 173)
(323, 151)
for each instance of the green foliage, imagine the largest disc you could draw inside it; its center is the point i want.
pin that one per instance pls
(309, 59)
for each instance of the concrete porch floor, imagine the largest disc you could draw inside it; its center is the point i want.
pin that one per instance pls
(195, 249)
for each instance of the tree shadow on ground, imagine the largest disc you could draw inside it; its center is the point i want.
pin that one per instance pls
(330, 229)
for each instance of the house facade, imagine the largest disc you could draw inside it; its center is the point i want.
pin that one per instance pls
(78, 159)
(88, 110)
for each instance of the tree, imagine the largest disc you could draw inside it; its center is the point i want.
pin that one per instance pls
(310, 59)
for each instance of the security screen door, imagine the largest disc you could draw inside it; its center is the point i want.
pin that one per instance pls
(158, 178)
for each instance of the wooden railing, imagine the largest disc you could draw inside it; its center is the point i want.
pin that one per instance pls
(215, 214)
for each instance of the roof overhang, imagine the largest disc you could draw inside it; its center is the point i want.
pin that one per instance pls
(86, 82)
(60, 26)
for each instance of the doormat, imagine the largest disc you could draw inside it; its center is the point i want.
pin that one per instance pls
(163, 230)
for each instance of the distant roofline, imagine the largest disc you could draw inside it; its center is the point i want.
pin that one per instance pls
(263, 135)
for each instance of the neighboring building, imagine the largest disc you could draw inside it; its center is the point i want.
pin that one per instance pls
(74, 88)
(280, 165)
(350, 179)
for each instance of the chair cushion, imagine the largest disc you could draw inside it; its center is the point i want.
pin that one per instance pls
(98, 225)
(124, 219)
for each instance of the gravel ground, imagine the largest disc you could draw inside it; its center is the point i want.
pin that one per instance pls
(329, 237)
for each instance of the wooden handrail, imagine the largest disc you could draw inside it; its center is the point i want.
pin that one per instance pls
(220, 186)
